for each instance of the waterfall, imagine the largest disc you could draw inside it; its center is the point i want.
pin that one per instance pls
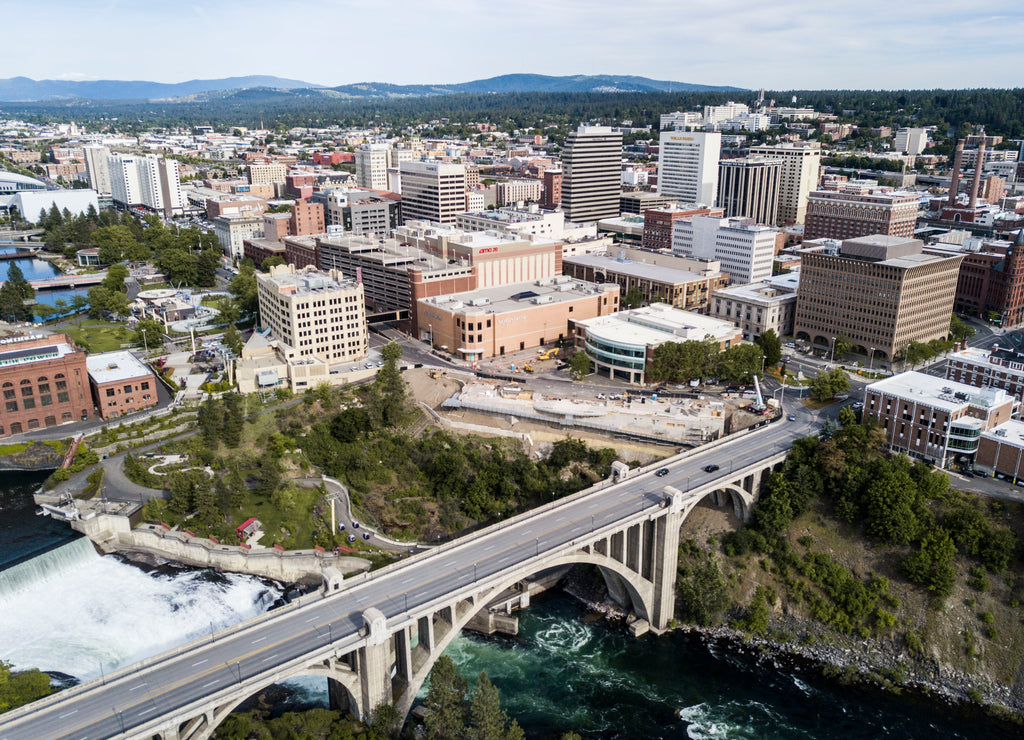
(50, 564)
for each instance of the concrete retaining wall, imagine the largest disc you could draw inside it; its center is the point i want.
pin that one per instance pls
(114, 534)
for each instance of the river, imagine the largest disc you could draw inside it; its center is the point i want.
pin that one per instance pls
(64, 608)
(37, 269)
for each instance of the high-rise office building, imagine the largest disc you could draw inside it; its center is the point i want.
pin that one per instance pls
(150, 181)
(688, 166)
(801, 167)
(372, 162)
(125, 186)
(97, 168)
(880, 293)
(749, 188)
(911, 140)
(591, 166)
(432, 191)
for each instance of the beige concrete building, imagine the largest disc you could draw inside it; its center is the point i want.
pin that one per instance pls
(935, 419)
(266, 174)
(314, 314)
(432, 191)
(233, 229)
(679, 288)
(515, 191)
(879, 292)
(511, 318)
(755, 308)
(749, 188)
(801, 168)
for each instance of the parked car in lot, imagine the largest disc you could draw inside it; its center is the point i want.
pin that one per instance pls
(662, 472)
(710, 468)
(791, 417)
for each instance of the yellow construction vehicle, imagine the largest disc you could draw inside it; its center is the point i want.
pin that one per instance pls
(550, 354)
(527, 368)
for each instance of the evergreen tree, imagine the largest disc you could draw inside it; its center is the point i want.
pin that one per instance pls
(486, 718)
(233, 340)
(446, 700)
(17, 278)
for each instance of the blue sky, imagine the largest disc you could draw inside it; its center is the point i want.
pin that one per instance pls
(776, 45)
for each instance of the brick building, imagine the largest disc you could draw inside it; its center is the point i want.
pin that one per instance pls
(44, 382)
(991, 282)
(860, 208)
(121, 384)
(935, 419)
(306, 219)
(658, 223)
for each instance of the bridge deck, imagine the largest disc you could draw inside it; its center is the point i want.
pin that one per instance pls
(182, 680)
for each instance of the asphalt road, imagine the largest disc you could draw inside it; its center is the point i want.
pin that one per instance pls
(105, 708)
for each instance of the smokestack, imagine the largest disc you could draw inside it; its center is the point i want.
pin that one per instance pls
(978, 162)
(954, 182)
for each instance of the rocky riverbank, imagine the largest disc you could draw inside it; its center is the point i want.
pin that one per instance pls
(874, 665)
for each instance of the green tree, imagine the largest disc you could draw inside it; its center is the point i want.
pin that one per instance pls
(633, 298)
(386, 400)
(233, 340)
(960, 330)
(771, 345)
(827, 385)
(12, 304)
(117, 244)
(21, 687)
(17, 279)
(703, 594)
(446, 701)
(487, 720)
(206, 268)
(580, 365)
(243, 288)
(148, 332)
(931, 565)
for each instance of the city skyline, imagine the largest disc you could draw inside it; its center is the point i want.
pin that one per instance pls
(797, 45)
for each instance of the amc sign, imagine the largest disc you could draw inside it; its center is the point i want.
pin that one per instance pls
(484, 250)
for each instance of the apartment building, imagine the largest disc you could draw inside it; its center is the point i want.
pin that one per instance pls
(1001, 366)
(266, 173)
(359, 211)
(935, 419)
(516, 191)
(315, 314)
(97, 168)
(659, 222)
(372, 162)
(150, 181)
(879, 292)
(591, 163)
(233, 229)
(858, 209)
(801, 169)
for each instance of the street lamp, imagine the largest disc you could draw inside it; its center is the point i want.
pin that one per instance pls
(871, 360)
(146, 343)
(431, 327)
(833, 351)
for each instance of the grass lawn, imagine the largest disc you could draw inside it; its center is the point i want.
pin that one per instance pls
(100, 336)
(292, 529)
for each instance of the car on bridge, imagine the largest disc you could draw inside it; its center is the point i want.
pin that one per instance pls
(710, 468)
(662, 472)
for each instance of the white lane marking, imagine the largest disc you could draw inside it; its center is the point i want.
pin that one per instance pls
(68, 714)
(407, 580)
(272, 657)
(258, 639)
(312, 619)
(204, 660)
(148, 710)
(489, 547)
(140, 686)
(210, 683)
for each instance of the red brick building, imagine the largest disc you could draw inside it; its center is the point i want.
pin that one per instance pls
(860, 210)
(44, 382)
(121, 384)
(552, 196)
(658, 224)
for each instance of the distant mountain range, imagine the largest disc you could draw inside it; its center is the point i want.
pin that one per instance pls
(23, 89)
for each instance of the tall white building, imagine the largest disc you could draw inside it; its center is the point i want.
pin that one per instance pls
(432, 191)
(717, 113)
(681, 120)
(911, 140)
(688, 166)
(149, 181)
(745, 249)
(97, 168)
(801, 168)
(372, 162)
(591, 166)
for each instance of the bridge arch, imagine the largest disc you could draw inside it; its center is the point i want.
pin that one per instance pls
(202, 727)
(639, 591)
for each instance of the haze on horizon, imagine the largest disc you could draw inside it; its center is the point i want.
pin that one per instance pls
(781, 46)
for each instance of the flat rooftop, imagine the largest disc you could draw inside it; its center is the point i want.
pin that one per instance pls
(517, 296)
(111, 367)
(670, 275)
(306, 280)
(760, 291)
(657, 324)
(938, 393)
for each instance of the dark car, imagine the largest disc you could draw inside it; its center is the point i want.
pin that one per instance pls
(355, 524)
(710, 468)
(351, 538)
(662, 472)
(366, 535)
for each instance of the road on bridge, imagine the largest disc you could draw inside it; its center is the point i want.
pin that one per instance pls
(168, 684)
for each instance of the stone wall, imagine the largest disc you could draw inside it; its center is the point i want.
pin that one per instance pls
(114, 534)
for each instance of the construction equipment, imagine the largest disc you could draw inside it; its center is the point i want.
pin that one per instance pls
(550, 354)
(527, 368)
(758, 406)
